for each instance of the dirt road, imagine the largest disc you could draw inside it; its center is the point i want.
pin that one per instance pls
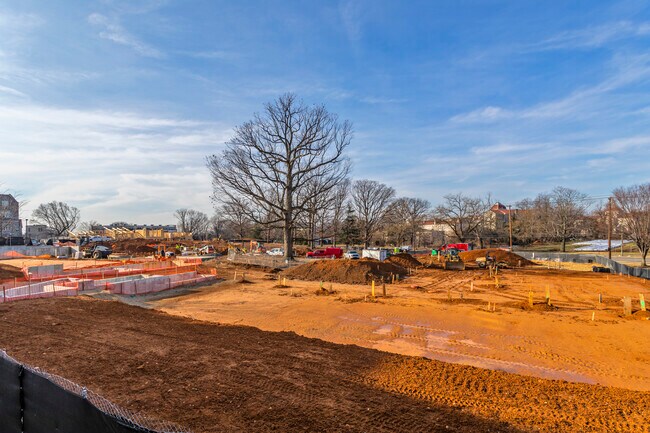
(215, 378)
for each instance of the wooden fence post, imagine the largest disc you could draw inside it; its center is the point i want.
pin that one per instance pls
(627, 306)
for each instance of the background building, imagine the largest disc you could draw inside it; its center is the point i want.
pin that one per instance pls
(10, 224)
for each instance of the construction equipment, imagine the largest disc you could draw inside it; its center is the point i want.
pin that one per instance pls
(97, 252)
(490, 262)
(452, 260)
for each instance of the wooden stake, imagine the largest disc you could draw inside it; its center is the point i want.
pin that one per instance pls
(235, 277)
(449, 294)
(373, 289)
(593, 315)
(530, 298)
(642, 301)
(471, 286)
(627, 306)
(548, 295)
(383, 288)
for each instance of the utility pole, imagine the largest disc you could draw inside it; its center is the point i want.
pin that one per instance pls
(510, 224)
(609, 230)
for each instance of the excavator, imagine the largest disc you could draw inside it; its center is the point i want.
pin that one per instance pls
(452, 261)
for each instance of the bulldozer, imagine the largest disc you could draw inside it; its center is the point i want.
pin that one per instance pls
(452, 261)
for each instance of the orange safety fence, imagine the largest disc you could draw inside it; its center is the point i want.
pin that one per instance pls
(96, 273)
(61, 287)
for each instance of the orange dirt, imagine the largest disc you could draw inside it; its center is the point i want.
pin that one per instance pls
(417, 318)
(8, 272)
(405, 260)
(345, 271)
(511, 259)
(220, 378)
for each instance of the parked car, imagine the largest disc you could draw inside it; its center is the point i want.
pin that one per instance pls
(351, 255)
(459, 247)
(335, 253)
(275, 252)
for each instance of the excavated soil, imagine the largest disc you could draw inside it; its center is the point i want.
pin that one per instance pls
(405, 260)
(511, 259)
(221, 378)
(345, 271)
(8, 272)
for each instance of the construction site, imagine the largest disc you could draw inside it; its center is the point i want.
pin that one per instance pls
(404, 344)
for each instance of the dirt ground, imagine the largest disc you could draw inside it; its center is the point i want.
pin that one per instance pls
(67, 263)
(454, 316)
(214, 378)
(8, 272)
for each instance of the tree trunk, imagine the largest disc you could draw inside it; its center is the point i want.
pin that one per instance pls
(644, 254)
(564, 244)
(288, 216)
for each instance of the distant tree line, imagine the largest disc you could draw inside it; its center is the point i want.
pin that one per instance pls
(284, 176)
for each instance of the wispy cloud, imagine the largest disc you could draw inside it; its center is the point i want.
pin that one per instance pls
(214, 54)
(592, 37)
(350, 13)
(486, 114)
(113, 31)
(580, 103)
(12, 92)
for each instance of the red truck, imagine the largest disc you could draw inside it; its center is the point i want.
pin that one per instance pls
(459, 247)
(335, 253)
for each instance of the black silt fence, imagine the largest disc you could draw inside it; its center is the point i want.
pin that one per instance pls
(619, 268)
(32, 401)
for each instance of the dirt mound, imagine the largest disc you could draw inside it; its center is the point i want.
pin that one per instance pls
(8, 272)
(134, 246)
(405, 260)
(427, 260)
(511, 259)
(361, 271)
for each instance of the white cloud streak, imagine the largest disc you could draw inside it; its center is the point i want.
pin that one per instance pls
(114, 32)
(592, 37)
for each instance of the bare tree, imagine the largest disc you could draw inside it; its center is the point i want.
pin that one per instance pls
(409, 214)
(371, 200)
(87, 226)
(59, 216)
(192, 221)
(634, 209)
(274, 158)
(218, 224)
(464, 215)
(237, 218)
(338, 207)
(534, 219)
(182, 219)
(568, 209)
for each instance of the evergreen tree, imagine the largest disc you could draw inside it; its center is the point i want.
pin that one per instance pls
(350, 233)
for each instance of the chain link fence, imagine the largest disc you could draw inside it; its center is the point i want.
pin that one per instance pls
(261, 259)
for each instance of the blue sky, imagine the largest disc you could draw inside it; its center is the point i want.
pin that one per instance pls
(112, 105)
